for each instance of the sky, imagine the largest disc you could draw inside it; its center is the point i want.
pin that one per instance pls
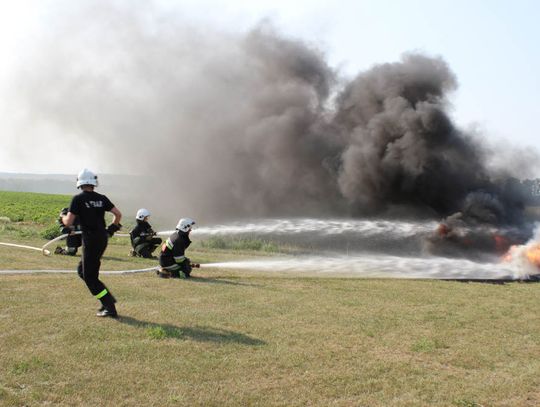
(490, 46)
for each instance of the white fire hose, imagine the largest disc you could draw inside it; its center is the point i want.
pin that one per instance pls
(47, 252)
(22, 246)
(56, 239)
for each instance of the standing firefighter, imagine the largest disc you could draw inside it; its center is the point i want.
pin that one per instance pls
(172, 259)
(90, 207)
(143, 238)
(73, 242)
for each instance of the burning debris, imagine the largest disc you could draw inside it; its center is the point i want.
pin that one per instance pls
(481, 242)
(486, 227)
(526, 256)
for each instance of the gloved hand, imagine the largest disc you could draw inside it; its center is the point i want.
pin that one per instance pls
(113, 228)
(67, 230)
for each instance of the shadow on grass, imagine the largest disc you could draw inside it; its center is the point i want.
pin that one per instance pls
(219, 281)
(197, 333)
(127, 259)
(500, 281)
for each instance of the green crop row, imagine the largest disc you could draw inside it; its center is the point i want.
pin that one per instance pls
(32, 207)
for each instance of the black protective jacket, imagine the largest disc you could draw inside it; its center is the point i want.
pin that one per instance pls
(141, 233)
(174, 248)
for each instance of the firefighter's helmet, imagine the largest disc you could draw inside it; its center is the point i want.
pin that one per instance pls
(86, 177)
(142, 213)
(185, 224)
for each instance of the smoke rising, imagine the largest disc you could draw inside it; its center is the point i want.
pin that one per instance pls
(223, 125)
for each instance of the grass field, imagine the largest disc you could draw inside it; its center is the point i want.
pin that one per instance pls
(237, 338)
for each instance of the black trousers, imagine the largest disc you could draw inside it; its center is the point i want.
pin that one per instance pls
(94, 245)
(73, 241)
(146, 248)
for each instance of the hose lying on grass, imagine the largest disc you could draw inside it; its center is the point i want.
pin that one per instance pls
(74, 271)
(22, 246)
(47, 252)
(56, 239)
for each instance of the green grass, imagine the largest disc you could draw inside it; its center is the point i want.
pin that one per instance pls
(227, 338)
(32, 207)
(241, 244)
(244, 338)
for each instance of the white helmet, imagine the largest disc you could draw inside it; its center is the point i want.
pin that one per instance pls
(185, 224)
(142, 213)
(86, 177)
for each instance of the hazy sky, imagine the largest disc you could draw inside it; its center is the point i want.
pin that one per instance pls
(492, 47)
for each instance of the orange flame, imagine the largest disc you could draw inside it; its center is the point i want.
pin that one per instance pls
(508, 256)
(533, 254)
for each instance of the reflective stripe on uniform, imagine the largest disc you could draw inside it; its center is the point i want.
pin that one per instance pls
(179, 259)
(173, 267)
(169, 244)
(102, 294)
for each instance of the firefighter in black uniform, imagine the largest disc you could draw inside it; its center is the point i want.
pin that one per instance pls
(142, 236)
(90, 207)
(172, 258)
(73, 242)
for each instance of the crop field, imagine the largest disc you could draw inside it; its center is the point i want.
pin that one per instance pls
(246, 338)
(31, 207)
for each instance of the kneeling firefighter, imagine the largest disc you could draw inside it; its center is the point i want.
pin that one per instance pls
(142, 236)
(172, 258)
(73, 242)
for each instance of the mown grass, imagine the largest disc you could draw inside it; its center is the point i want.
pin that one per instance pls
(227, 338)
(243, 338)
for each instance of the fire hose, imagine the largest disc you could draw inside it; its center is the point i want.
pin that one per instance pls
(22, 246)
(56, 239)
(47, 252)
(44, 249)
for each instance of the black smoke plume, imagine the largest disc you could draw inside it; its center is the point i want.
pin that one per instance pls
(218, 125)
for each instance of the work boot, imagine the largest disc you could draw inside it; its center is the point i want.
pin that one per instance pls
(59, 250)
(108, 313)
(103, 307)
(132, 253)
(163, 273)
(108, 309)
